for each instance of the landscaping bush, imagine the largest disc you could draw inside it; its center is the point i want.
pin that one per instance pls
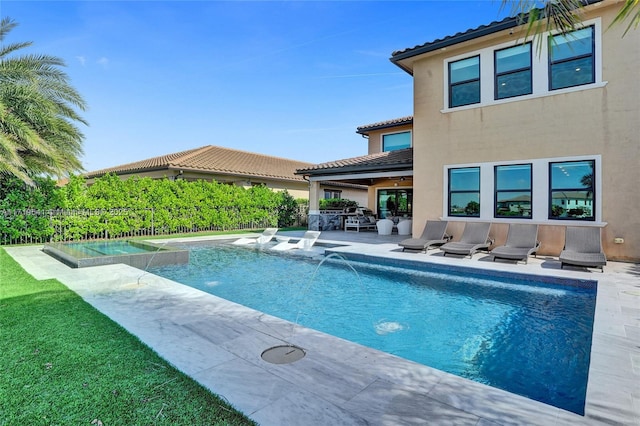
(111, 208)
(336, 203)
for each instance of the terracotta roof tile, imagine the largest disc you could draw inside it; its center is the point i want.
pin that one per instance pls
(215, 160)
(470, 34)
(384, 124)
(401, 158)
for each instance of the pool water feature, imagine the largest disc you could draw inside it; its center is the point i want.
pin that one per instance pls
(134, 253)
(527, 335)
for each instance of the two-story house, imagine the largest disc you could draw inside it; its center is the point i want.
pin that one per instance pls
(509, 130)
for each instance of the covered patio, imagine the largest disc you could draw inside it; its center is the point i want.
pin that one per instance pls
(387, 175)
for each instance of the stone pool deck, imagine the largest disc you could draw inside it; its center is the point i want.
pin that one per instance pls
(219, 344)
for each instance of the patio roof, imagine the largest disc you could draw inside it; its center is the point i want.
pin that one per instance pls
(399, 160)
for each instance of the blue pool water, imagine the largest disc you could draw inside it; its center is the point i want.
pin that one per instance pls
(527, 337)
(106, 248)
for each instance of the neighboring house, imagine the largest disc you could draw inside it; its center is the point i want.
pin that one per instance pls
(231, 166)
(498, 122)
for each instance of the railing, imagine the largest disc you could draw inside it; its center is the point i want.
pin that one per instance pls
(41, 226)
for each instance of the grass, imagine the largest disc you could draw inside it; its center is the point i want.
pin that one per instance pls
(62, 362)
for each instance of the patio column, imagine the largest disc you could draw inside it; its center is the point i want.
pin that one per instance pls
(314, 205)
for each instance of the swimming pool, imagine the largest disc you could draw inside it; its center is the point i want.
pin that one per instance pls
(526, 336)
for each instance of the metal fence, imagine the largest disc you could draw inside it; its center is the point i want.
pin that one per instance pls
(41, 226)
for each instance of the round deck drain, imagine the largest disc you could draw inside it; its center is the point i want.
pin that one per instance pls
(283, 354)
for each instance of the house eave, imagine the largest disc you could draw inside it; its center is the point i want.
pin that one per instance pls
(398, 57)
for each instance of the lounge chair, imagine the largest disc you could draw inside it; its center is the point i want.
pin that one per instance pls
(583, 247)
(522, 241)
(267, 235)
(306, 242)
(434, 235)
(474, 237)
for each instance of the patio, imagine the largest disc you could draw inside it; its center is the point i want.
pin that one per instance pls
(219, 343)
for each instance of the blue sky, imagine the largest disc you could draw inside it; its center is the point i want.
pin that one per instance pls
(290, 79)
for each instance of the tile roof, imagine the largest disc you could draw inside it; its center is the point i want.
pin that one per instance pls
(214, 160)
(381, 161)
(384, 124)
(470, 34)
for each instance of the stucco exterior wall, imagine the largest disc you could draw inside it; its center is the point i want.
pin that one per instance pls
(602, 121)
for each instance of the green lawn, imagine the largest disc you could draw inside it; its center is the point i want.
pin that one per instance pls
(64, 363)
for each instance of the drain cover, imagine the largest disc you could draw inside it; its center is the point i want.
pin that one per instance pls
(284, 354)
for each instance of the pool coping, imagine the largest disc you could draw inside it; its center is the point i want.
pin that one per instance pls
(219, 343)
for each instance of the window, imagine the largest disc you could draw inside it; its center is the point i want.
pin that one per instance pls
(513, 71)
(332, 193)
(464, 192)
(394, 141)
(513, 191)
(572, 190)
(510, 72)
(571, 59)
(395, 202)
(464, 82)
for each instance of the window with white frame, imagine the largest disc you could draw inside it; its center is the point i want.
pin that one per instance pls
(464, 82)
(571, 190)
(464, 192)
(542, 190)
(571, 59)
(513, 191)
(513, 71)
(332, 193)
(394, 141)
(509, 72)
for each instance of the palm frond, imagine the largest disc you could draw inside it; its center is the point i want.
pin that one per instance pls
(38, 112)
(631, 9)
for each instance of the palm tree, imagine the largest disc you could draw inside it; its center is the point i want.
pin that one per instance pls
(38, 132)
(566, 15)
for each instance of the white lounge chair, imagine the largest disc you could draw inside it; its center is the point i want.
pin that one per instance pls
(305, 243)
(267, 235)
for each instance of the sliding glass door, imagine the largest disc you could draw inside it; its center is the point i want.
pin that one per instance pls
(395, 202)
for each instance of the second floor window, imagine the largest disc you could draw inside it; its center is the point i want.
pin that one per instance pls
(571, 59)
(513, 71)
(394, 141)
(464, 82)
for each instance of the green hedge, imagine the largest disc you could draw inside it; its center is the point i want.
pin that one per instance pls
(111, 207)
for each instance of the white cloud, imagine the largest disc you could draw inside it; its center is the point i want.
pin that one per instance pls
(82, 60)
(103, 61)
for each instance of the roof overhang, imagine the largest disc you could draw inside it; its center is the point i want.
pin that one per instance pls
(405, 58)
(362, 177)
